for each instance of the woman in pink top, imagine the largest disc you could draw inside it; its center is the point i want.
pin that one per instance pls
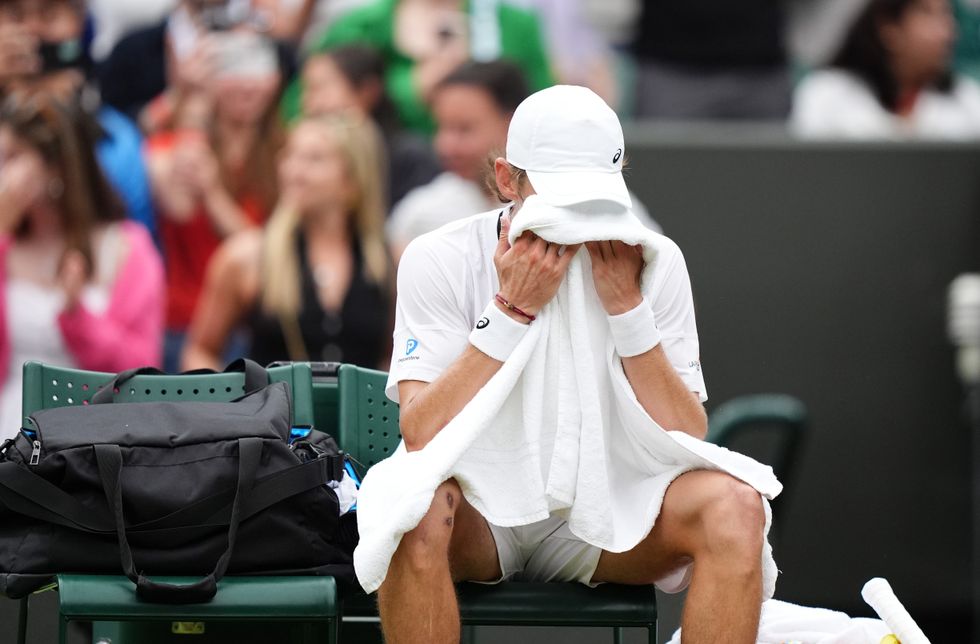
(79, 286)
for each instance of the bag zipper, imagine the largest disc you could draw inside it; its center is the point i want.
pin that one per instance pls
(35, 438)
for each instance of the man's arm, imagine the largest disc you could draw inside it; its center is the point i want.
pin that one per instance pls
(659, 389)
(530, 273)
(428, 407)
(663, 394)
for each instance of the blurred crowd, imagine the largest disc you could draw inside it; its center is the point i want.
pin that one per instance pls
(183, 182)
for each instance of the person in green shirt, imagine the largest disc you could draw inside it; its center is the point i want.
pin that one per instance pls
(422, 41)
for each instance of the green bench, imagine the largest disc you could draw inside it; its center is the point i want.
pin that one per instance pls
(368, 431)
(280, 609)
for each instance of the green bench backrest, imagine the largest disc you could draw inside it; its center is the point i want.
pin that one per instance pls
(326, 405)
(783, 417)
(354, 410)
(368, 423)
(47, 386)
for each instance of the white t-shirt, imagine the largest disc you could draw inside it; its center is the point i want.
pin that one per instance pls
(435, 204)
(34, 334)
(833, 103)
(447, 277)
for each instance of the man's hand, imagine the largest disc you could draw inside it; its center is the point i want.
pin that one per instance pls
(530, 271)
(430, 72)
(616, 269)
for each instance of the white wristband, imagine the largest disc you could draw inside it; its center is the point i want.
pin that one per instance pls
(496, 333)
(635, 331)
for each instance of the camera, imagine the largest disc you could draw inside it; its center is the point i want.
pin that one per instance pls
(60, 55)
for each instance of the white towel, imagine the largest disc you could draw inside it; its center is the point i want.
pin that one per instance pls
(557, 429)
(785, 623)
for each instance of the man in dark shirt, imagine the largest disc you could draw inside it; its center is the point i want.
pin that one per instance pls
(712, 59)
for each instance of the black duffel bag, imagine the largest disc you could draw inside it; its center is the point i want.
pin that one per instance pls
(169, 488)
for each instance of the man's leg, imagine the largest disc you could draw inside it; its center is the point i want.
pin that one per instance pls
(417, 600)
(718, 522)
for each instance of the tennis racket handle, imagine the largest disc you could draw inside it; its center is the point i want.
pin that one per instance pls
(880, 596)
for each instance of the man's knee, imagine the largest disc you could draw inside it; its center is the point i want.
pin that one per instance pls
(427, 545)
(732, 518)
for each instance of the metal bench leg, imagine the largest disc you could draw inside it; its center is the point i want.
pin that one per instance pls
(62, 629)
(335, 630)
(617, 635)
(22, 621)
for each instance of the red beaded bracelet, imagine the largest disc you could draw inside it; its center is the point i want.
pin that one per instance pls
(500, 298)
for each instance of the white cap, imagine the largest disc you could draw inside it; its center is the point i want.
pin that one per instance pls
(570, 143)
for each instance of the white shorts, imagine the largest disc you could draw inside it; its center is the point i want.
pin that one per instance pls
(544, 551)
(548, 551)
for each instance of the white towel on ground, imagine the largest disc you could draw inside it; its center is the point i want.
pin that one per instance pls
(557, 429)
(783, 623)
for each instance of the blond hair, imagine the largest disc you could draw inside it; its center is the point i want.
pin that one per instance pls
(359, 144)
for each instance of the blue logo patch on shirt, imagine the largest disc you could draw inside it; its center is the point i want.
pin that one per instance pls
(411, 346)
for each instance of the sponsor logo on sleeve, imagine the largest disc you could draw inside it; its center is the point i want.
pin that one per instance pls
(410, 348)
(483, 323)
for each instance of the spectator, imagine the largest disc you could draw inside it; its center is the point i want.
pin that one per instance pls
(423, 41)
(323, 16)
(473, 107)
(712, 59)
(815, 30)
(214, 175)
(151, 71)
(285, 20)
(579, 54)
(81, 287)
(891, 78)
(113, 19)
(317, 284)
(41, 43)
(351, 78)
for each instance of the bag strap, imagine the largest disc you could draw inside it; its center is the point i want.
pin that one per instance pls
(26, 493)
(269, 490)
(106, 391)
(109, 459)
(255, 378)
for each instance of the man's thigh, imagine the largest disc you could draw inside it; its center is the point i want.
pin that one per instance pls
(472, 551)
(669, 546)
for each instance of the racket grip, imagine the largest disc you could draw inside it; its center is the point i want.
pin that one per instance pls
(879, 595)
